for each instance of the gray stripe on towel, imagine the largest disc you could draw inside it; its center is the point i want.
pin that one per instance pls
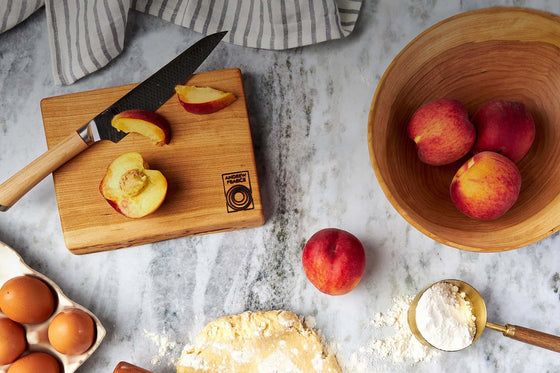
(248, 25)
(22, 11)
(116, 42)
(207, 20)
(77, 35)
(100, 35)
(327, 22)
(235, 22)
(88, 35)
(56, 45)
(284, 27)
(175, 12)
(162, 8)
(223, 17)
(6, 16)
(271, 19)
(298, 19)
(314, 23)
(195, 14)
(68, 37)
(261, 26)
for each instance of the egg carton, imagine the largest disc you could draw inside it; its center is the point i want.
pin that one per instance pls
(12, 265)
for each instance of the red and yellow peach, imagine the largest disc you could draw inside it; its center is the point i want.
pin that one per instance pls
(442, 132)
(486, 186)
(334, 261)
(505, 127)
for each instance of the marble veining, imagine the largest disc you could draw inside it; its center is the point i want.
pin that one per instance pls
(308, 111)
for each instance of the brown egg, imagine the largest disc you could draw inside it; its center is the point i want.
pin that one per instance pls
(35, 362)
(71, 332)
(26, 299)
(12, 341)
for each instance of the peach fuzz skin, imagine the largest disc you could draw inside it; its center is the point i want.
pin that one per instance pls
(505, 127)
(334, 261)
(486, 186)
(442, 132)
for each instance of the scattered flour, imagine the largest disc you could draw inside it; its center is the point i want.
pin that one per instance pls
(444, 317)
(165, 346)
(401, 346)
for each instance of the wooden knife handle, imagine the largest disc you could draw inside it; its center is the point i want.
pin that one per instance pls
(124, 367)
(536, 338)
(15, 187)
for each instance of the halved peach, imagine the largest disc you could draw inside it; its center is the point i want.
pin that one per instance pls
(131, 187)
(203, 100)
(145, 122)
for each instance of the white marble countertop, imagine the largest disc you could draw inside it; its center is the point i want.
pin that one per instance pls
(308, 110)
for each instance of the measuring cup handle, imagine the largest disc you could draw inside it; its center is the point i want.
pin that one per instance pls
(536, 338)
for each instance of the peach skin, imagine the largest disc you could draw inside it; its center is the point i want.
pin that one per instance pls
(442, 132)
(334, 261)
(486, 186)
(505, 127)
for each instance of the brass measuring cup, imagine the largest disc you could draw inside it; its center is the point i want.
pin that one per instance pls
(518, 333)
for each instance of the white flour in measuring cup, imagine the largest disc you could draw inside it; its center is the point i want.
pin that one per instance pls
(444, 317)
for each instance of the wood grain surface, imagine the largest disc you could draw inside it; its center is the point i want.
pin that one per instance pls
(507, 53)
(203, 150)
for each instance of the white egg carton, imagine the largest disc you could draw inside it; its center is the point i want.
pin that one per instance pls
(12, 265)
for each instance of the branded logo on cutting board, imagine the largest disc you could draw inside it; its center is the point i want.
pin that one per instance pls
(238, 192)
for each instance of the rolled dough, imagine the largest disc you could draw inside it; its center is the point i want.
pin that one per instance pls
(263, 342)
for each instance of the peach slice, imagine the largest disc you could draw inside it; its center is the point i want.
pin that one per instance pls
(145, 122)
(131, 187)
(203, 100)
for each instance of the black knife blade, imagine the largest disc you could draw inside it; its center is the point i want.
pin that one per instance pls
(155, 90)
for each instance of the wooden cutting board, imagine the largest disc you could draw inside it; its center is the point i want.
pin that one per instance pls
(209, 165)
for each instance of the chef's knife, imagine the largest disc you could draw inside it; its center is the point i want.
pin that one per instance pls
(148, 95)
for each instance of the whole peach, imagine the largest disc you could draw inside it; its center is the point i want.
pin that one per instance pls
(442, 132)
(505, 127)
(334, 261)
(486, 186)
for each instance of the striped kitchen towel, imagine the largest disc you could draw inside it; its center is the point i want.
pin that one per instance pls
(85, 35)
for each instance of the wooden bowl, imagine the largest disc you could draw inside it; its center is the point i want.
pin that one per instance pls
(508, 53)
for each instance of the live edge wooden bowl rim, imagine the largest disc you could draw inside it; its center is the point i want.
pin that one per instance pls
(499, 10)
